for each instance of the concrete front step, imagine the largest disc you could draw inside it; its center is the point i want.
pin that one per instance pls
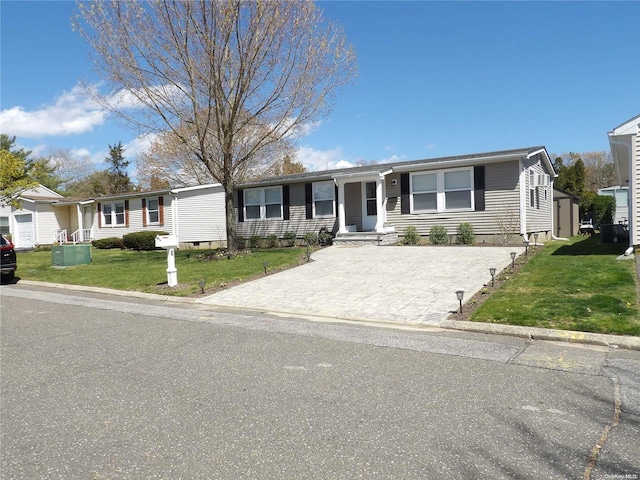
(366, 238)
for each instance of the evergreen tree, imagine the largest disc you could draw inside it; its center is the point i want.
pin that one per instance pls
(119, 177)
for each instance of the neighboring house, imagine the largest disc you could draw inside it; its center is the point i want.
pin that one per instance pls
(621, 195)
(195, 215)
(566, 213)
(625, 149)
(504, 195)
(35, 221)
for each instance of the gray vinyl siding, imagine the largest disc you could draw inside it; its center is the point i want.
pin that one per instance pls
(200, 215)
(538, 216)
(502, 200)
(297, 223)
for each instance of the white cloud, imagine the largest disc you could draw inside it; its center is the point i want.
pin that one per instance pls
(138, 145)
(316, 160)
(72, 113)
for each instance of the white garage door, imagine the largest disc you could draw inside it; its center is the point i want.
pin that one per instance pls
(24, 236)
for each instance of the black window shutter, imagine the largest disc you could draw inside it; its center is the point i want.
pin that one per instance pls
(285, 202)
(308, 199)
(478, 186)
(240, 206)
(405, 205)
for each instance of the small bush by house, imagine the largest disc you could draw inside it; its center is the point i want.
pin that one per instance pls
(465, 234)
(411, 236)
(108, 243)
(438, 235)
(141, 240)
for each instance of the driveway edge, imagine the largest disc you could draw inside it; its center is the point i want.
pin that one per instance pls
(535, 333)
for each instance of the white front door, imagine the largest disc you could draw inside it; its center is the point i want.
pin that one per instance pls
(23, 235)
(369, 210)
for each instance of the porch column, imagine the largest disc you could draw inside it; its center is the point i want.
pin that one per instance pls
(381, 214)
(80, 226)
(342, 223)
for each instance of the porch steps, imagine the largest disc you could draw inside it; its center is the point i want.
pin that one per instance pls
(366, 238)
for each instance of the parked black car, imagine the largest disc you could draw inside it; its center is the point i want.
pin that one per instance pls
(8, 264)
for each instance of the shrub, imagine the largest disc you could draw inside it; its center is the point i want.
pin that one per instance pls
(141, 240)
(241, 242)
(107, 243)
(254, 241)
(438, 235)
(311, 238)
(465, 234)
(289, 237)
(411, 236)
(325, 237)
(272, 240)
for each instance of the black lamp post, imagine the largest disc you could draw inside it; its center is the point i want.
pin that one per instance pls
(201, 283)
(526, 247)
(513, 260)
(460, 295)
(492, 271)
(264, 265)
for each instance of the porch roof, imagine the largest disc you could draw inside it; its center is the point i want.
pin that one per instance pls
(386, 168)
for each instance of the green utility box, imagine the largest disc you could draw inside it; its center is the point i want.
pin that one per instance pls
(69, 255)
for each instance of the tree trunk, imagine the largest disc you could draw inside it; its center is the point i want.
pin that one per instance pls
(232, 244)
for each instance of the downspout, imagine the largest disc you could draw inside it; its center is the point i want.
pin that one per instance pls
(630, 204)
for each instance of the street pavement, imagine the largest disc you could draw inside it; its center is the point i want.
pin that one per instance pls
(95, 386)
(393, 284)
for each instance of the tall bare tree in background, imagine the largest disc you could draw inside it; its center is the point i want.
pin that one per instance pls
(244, 75)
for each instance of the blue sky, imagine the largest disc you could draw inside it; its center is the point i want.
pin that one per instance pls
(435, 79)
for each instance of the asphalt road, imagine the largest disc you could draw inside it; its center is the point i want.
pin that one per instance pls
(110, 388)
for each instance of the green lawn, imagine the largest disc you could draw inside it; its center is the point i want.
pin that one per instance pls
(576, 285)
(146, 271)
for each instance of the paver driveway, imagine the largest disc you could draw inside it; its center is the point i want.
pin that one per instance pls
(407, 285)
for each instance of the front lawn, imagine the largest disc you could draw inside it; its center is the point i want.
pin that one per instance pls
(146, 271)
(576, 285)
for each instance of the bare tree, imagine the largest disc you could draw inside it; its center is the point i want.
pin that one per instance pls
(243, 74)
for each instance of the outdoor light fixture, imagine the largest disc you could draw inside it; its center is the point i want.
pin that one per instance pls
(264, 265)
(460, 295)
(535, 238)
(526, 247)
(492, 271)
(201, 283)
(513, 260)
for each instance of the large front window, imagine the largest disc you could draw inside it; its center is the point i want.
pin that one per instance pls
(263, 203)
(113, 214)
(323, 193)
(441, 191)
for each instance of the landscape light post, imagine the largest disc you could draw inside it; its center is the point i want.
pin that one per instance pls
(460, 295)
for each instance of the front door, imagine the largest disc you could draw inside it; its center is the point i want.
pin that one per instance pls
(370, 213)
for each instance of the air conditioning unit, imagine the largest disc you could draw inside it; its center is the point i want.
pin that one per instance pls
(542, 180)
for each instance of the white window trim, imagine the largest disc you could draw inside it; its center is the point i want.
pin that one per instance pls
(113, 215)
(263, 204)
(148, 212)
(333, 199)
(440, 192)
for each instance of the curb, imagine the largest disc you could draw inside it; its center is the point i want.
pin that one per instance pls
(535, 333)
(532, 333)
(110, 291)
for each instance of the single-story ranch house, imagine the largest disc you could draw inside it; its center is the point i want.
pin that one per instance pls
(506, 196)
(194, 214)
(625, 149)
